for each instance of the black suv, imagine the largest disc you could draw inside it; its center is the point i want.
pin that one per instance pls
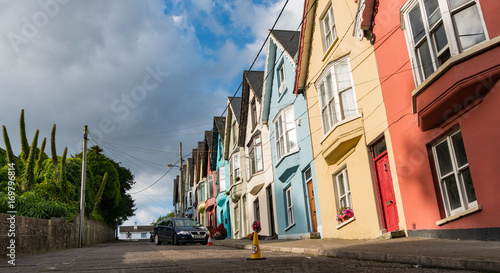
(180, 230)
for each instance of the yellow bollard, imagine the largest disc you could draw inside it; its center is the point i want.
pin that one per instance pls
(256, 248)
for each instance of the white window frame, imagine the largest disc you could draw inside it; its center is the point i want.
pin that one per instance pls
(254, 154)
(281, 79)
(236, 218)
(201, 192)
(285, 133)
(344, 199)
(290, 217)
(256, 209)
(222, 179)
(449, 27)
(328, 31)
(456, 173)
(330, 91)
(210, 186)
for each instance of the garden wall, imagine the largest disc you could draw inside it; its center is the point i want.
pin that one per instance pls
(33, 235)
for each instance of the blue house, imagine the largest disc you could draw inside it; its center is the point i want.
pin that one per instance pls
(295, 185)
(219, 166)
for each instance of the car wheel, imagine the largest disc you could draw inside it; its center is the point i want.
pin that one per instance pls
(175, 241)
(157, 240)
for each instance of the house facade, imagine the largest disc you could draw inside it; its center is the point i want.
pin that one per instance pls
(441, 100)
(221, 172)
(210, 204)
(295, 185)
(254, 140)
(234, 155)
(201, 187)
(351, 144)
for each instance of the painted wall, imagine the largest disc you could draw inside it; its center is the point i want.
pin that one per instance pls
(288, 172)
(419, 187)
(222, 199)
(348, 144)
(261, 179)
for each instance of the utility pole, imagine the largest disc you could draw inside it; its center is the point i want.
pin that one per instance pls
(181, 183)
(84, 177)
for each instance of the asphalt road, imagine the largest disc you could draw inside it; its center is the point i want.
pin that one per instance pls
(123, 256)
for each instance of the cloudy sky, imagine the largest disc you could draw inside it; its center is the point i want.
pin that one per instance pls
(143, 75)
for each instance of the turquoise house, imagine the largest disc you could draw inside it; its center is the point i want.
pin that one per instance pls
(295, 185)
(222, 198)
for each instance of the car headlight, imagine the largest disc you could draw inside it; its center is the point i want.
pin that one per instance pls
(184, 232)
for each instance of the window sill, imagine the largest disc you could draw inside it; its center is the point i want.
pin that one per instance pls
(285, 156)
(338, 124)
(290, 226)
(346, 223)
(459, 215)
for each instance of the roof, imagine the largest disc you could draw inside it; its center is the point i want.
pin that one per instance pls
(255, 80)
(236, 107)
(139, 229)
(289, 39)
(220, 124)
(209, 139)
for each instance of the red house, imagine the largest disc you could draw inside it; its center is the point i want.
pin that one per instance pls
(210, 204)
(439, 63)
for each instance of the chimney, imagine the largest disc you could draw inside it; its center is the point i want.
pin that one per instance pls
(135, 225)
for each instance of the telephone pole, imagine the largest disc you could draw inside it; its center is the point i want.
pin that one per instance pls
(181, 183)
(84, 177)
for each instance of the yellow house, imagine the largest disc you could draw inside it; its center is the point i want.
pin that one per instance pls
(349, 130)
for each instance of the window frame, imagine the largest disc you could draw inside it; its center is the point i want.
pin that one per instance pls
(256, 209)
(281, 78)
(222, 178)
(326, 30)
(253, 114)
(201, 192)
(210, 186)
(253, 151)
(290, 216)
(451, 34)
(456, 173)
(283, 130)
(347, 195)
(333, 111)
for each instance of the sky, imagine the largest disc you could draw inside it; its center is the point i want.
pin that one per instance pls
(142, 75)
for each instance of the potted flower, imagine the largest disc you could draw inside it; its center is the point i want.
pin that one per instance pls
(256, 226)
(345, 213)
(219, 233)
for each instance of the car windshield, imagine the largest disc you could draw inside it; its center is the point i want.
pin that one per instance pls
(186, 223)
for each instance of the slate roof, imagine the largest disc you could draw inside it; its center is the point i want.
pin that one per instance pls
(289, 39)
(220, 123)
(209, 137)
(256, 81)
(236, 106)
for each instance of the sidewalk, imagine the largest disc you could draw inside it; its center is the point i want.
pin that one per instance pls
(456, 254)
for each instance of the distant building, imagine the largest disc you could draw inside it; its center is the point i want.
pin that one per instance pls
(136, 232)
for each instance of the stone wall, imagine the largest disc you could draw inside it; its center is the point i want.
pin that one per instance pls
(33, 235)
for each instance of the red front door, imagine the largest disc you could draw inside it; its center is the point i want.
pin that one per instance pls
(386, 190)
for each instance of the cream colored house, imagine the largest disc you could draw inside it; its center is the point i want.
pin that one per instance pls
(354, 161)
(255, 141)
(234, 155)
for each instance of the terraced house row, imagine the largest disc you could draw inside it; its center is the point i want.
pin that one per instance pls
(377, 118)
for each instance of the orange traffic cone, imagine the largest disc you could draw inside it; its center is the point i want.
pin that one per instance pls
(209, 243)
(256, 248)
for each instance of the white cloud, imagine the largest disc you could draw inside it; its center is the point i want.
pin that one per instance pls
(85, 62)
